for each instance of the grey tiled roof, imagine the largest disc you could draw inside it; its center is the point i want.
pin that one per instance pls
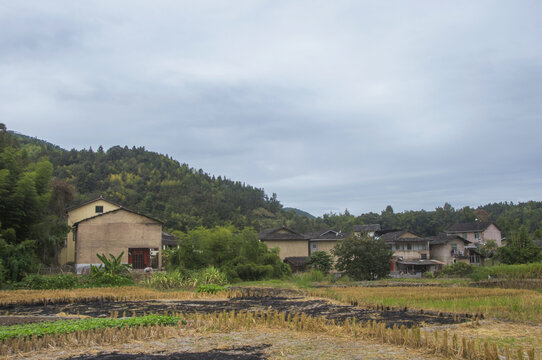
(367, 228)
(326, 235)
(469, 227)
(273, 234)
(395, 236)
(443, 238)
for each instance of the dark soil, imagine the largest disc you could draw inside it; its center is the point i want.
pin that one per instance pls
(239, 353)
(316, 308)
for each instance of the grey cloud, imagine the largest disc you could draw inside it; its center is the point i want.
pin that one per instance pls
(331, 105)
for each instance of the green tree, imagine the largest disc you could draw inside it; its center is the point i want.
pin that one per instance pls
(519, 249)
(320, 260)
(363, 258)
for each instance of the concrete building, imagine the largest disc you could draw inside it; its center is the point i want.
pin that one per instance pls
(478, 232)
(103, 227)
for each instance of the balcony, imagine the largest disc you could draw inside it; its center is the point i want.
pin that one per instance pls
(460, 254)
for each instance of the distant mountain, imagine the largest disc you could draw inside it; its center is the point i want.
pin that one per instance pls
(299, 212)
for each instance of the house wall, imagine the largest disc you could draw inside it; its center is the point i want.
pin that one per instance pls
(326, 246)
(444, 252)
(114, 233)
(492, 233)
(67, 253)
(410, 254)
(289, 247)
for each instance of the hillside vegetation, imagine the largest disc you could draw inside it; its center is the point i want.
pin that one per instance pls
(38, 180)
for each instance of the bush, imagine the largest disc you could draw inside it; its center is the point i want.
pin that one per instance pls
(363, 258)
(459, 269)
(210, 288)
(252, 272)
(187, 279)
(508, 272)
(50, 282)
(320, 260)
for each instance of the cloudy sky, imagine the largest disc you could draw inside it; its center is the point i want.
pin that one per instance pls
(329, 104)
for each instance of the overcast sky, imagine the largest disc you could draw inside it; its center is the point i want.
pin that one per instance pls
(329, 104)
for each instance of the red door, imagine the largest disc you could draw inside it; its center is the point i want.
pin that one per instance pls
(139, 258)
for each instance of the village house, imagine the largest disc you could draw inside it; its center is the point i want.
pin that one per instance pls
(290, 243)
(104, 227)
(478, 232)
(324, 240)
(450, 249)
(295, 248)
(411, 253)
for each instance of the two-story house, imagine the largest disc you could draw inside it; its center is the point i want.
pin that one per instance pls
(478, 232)
(453, 248)
(295, 247)
(411, 252)
(103, 227)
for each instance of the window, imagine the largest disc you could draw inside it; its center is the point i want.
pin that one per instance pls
(99, 209)
(454, 248)
(465, 236)
(314, 247)
(476, 235)
(409, 246)
(423, 256)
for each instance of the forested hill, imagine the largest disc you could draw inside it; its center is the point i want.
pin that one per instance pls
(185, 198)
(155, 184)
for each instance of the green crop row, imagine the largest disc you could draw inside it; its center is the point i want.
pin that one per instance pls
(70, 326)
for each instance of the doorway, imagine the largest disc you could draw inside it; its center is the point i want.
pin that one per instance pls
(139, 258)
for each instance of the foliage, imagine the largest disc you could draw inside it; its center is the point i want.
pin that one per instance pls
(238, 254)
(459, 269)
(179, 279)
(112, 272)
(17, 260)
(519, 249)
(488, 249)
(70, 326)
(320, 260)
(210, 288)
(30, 224)
(41, 282)
(508, 272)
(183, 197)
(363, 258)
(306, 279)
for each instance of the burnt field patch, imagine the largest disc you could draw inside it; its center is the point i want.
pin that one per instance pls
(235, 353)
(283, 304)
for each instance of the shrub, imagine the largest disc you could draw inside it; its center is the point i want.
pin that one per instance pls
(251, 271)
(210, 288)
(187, 279)
(459, 269)
(210, 275)
(42, 282)
(320, 260)
(509, 272)
(112, 272)
(363, 258)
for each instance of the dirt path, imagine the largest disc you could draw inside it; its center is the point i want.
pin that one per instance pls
(258, 344)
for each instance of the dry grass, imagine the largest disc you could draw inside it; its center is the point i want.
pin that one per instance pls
(127, 293)
(440, 343)
(504, 304)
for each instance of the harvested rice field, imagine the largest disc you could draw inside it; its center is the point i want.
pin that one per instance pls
(257, 344)
(256, 323)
